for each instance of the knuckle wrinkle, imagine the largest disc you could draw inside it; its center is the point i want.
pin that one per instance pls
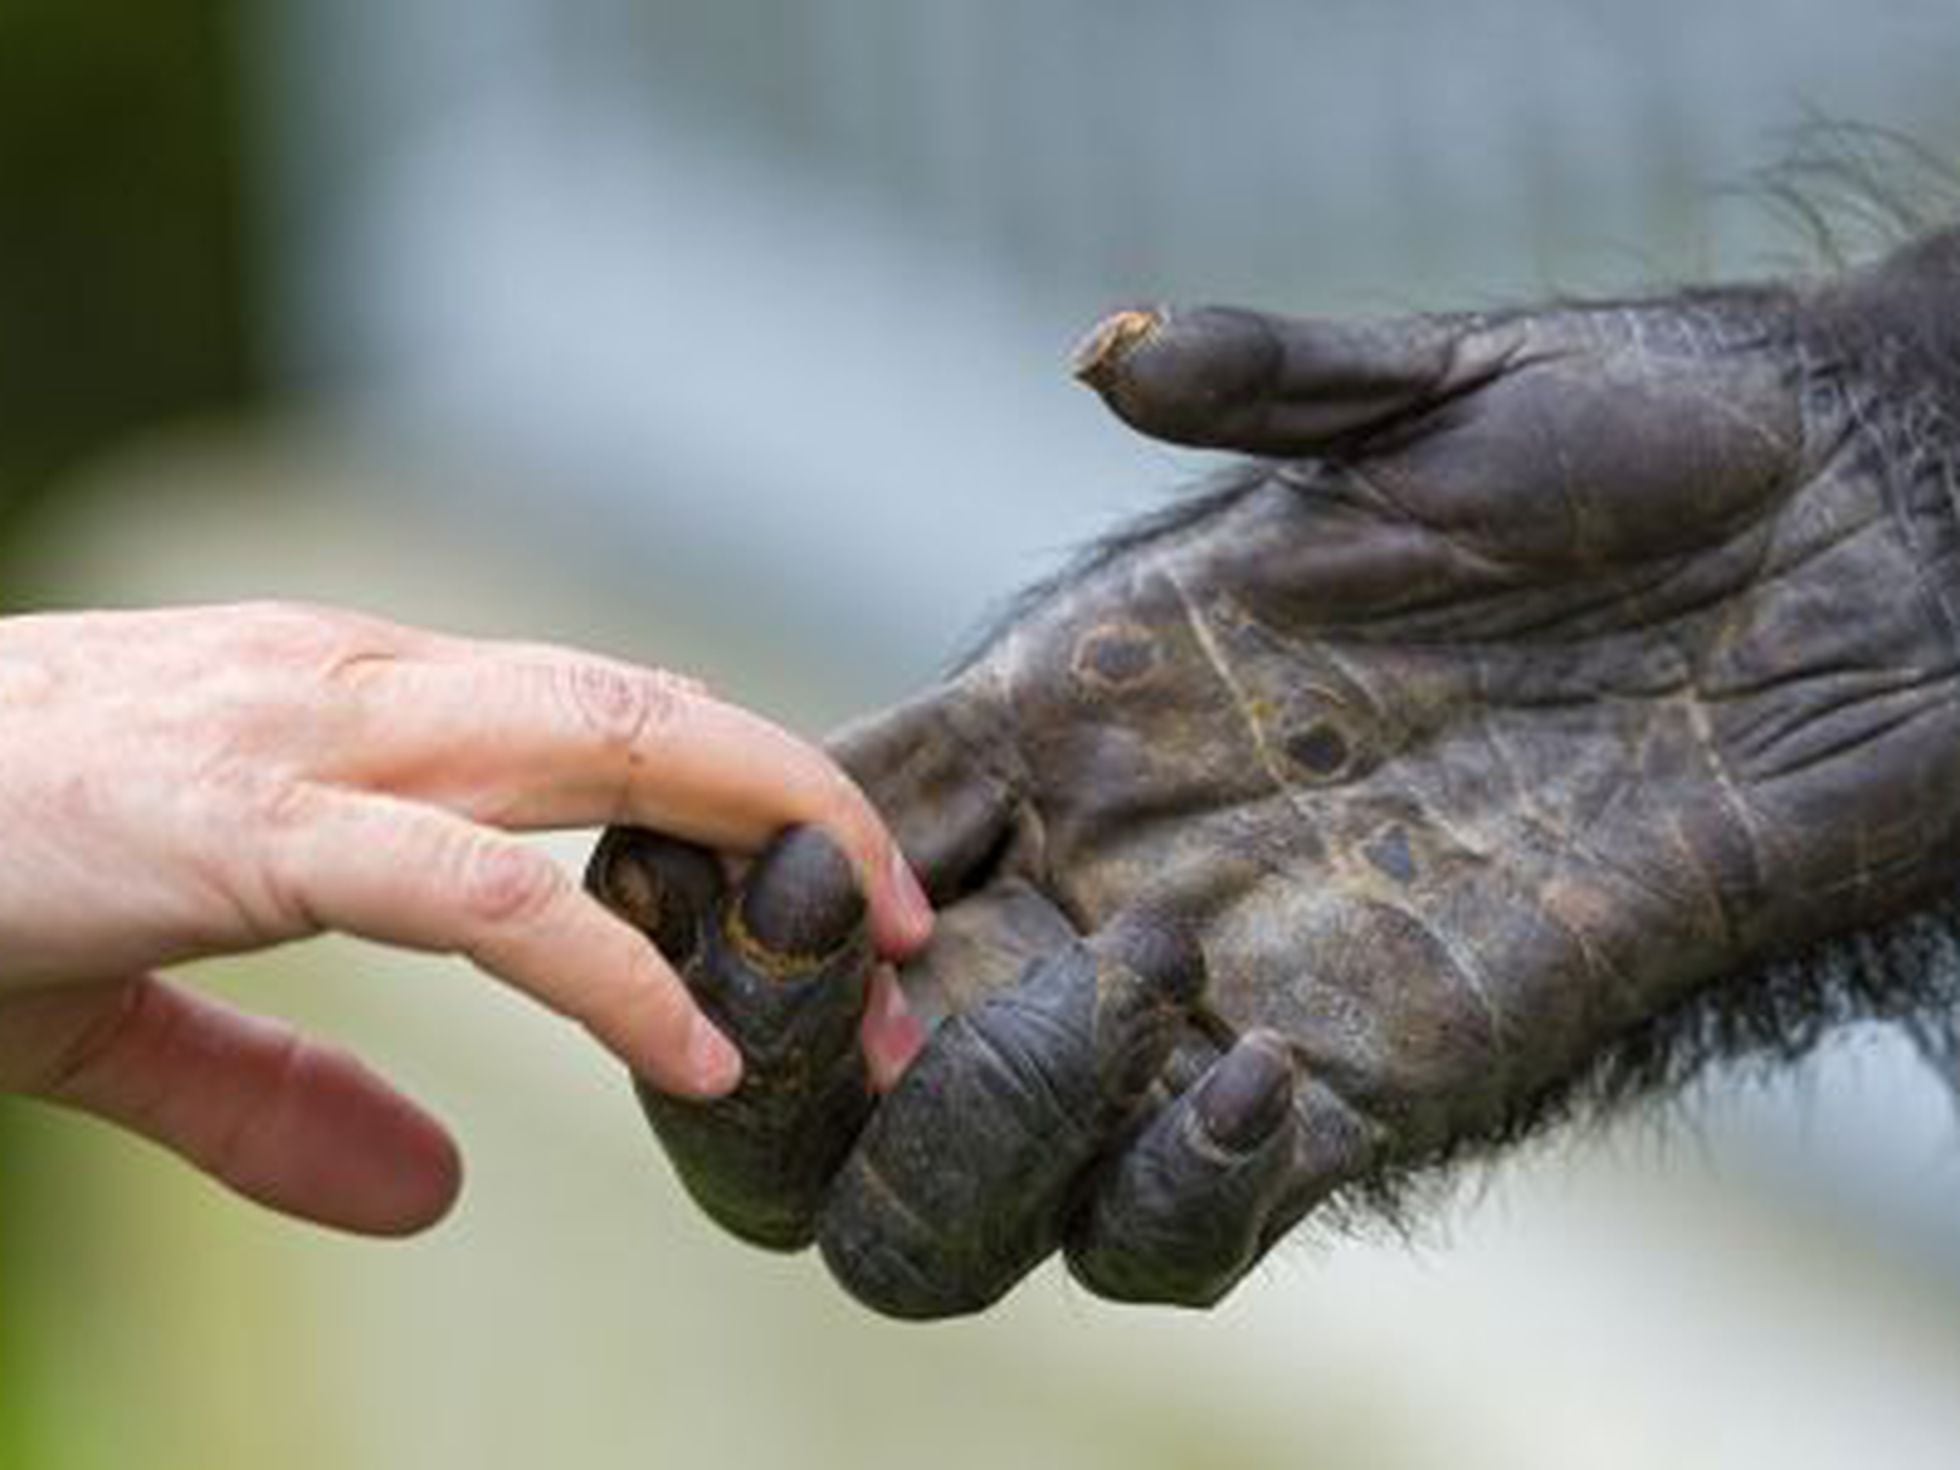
(619, 705)
(506, 883)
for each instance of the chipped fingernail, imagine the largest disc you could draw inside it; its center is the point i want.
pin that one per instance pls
(714, 1066)
(1096, 357)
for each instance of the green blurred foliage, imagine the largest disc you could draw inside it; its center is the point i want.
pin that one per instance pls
(123, 299)
(14, 1405)
(122, 238)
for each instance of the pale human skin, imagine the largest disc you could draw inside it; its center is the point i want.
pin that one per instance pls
(214, 780)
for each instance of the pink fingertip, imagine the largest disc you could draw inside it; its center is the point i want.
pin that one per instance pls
(891, 1035)
(914, 908)
(714, 1066)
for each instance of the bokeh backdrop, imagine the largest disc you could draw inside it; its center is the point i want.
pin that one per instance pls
(730, 336)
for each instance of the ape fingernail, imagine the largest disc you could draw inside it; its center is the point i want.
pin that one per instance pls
(1247, 1095)
(1161, 950)
(1098, 355)
(659, 885)
(802, 900)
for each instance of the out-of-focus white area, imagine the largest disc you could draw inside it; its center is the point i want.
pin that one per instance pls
(731, 335)
(777, 297)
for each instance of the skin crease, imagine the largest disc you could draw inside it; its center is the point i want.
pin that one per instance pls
(213, 780)
(1548, 673)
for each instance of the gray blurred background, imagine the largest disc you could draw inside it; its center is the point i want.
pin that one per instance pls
(730, 335)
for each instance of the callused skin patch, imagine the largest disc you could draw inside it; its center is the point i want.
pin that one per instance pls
(1321, 750)
(1115, 656)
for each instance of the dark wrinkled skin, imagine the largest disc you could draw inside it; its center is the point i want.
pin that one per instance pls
(1548, 670)
(784, 966)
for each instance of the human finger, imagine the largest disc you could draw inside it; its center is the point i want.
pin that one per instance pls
(958, 1185)
(417, 876)
(295, 1125)
(529, 736)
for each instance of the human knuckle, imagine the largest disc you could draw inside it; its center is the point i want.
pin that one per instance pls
(504, 882)
(834, 800)
(88, 1052)
(293, 661)
(246, 792)
(253, 846)
(293, 631)
(619, 705)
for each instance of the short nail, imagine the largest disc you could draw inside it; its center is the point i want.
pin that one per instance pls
(1099, 355)
(893, 1035)
(913, 904)
(1247, 1095)
(713, 1064)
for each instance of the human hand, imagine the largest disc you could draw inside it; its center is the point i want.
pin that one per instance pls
(1557, 668)
(206, 781)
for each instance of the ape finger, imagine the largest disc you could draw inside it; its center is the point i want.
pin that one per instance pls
(952, 815)
(666, 888)
(782, 968)
(960, 1182)
(1219, 377)
(1183, 1214)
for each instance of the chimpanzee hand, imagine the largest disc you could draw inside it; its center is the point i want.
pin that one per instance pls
(1549, 668)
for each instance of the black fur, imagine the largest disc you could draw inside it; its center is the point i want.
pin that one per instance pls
(1192, 506)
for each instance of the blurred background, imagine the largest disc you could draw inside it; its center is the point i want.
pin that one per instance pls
(730, 336)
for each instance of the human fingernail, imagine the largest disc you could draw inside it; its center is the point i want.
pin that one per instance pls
(893, 1036)
(714, 1066)
(913, 905)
